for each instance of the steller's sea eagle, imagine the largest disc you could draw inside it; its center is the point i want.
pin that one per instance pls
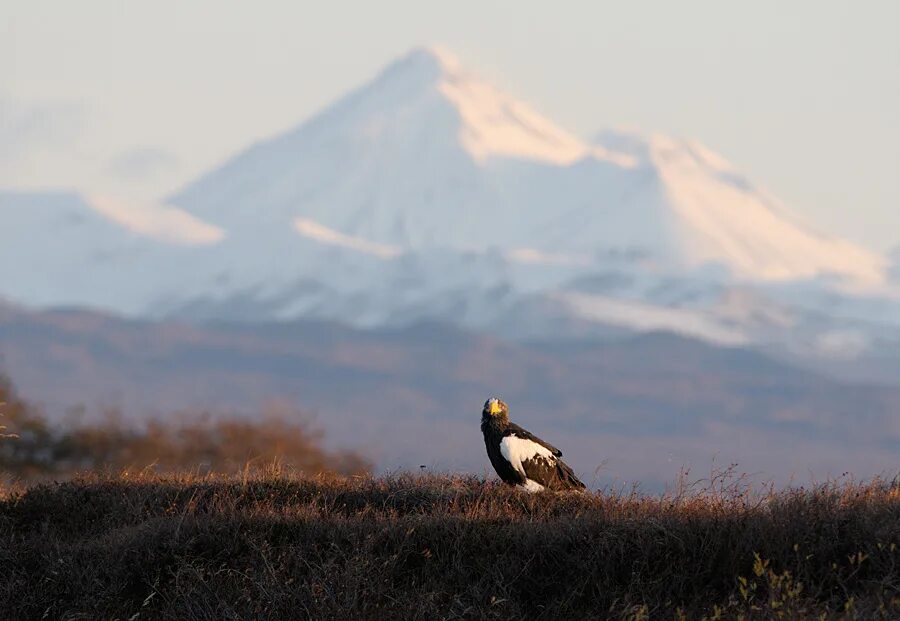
(521, 458)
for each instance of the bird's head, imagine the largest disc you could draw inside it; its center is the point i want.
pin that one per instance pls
(495, 409)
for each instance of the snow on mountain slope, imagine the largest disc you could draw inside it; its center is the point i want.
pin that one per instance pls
(723, 218)
(430, 194)
(160, 222)
(428, 155)
(52, 243)
(397, 163)
(59, 248)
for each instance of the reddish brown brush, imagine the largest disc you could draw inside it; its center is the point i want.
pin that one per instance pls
(199, 442)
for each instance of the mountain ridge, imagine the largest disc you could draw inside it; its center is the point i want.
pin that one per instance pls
(648, 403)
(427, 193)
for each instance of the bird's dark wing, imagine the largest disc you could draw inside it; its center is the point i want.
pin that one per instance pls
(514, 429)
(566, 478)
(554, 474)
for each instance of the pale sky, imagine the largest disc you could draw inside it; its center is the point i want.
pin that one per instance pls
(136, 98)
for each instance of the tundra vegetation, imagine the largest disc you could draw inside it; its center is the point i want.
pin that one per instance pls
(313, 535)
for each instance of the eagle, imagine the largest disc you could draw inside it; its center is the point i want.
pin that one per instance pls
(521, 458)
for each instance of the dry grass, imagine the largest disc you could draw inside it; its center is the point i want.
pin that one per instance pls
(197, 441)
(275, 545)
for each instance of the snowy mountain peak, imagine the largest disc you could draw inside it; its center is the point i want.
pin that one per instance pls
(429, 155)
(427, 61)
(488, 122)
(428, 193)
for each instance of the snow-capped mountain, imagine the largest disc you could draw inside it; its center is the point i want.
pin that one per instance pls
(428, 193)
(429, 156)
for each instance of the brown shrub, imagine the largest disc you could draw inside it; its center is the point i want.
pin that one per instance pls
(186, 441)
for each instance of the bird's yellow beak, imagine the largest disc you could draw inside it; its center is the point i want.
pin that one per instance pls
(494, 407)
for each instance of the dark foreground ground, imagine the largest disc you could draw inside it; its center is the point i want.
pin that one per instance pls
(436, 547)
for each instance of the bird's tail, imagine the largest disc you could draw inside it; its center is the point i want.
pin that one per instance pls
(567, 477)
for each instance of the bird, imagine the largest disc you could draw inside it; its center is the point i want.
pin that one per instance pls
(521, 458)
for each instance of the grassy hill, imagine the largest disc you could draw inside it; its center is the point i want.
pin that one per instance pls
(277, 545)
(642, 405)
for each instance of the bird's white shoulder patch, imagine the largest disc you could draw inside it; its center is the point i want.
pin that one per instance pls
(516, 450)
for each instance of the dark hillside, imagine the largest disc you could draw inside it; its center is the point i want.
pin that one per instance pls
(644, 405)
(436, 547)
